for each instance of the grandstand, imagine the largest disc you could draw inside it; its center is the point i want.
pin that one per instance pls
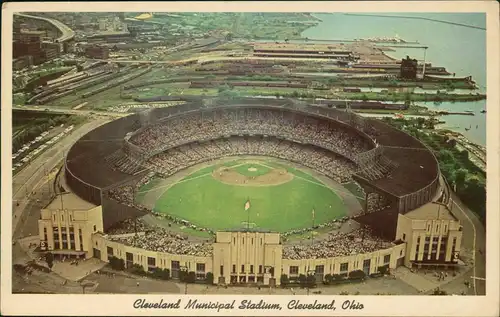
(397, 175)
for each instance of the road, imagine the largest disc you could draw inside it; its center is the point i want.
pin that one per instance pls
(474, 241)
(33, 176)
(72, 111)
(67, 33)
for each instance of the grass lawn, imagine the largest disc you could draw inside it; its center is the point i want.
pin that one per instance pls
(252, 169)
(207, 202)
(294, 171)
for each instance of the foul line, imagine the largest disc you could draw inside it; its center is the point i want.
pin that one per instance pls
(320, 184)
(336, 191)
(185, 180)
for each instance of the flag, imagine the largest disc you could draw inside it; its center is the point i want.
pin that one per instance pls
(247, 205)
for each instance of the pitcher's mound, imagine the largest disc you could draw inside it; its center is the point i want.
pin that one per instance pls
(252, 169)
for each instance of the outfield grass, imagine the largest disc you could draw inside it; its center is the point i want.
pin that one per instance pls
(294, 171)
(206, 202)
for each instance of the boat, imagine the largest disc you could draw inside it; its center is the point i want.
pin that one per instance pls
(483, 111)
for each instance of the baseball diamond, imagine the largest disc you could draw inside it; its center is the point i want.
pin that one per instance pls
(214, 198)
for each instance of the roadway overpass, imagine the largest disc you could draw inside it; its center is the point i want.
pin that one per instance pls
(67, 33)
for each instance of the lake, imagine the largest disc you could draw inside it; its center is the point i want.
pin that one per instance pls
(462, 50)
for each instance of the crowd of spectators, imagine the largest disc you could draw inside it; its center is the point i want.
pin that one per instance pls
(126, 193)
(318, 226)
(224, 122)
(337, 244)
(377, 202)
(182, 222)
(128, 226)
(161, 240)
(326, 162)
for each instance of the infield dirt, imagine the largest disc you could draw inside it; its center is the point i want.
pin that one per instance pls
(231, 177)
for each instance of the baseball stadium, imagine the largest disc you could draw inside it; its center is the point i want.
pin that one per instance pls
(253, 189)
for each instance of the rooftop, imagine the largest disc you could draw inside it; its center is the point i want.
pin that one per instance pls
(430, 211)
(299, 47)
(69, 201)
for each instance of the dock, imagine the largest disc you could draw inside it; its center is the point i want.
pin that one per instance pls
(445, 113)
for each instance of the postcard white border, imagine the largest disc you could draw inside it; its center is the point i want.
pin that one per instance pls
(54, 305)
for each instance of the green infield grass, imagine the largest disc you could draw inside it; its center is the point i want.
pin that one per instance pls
(206, 202)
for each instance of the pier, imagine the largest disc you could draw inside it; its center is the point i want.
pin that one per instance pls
(445, 113)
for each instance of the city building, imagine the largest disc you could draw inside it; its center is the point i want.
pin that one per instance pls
(102, 25)
(432, 235)
(287, 50)
(409, 68)
(22, 62)
(68, 232)
(99, 52)
(110, 37)
(51, 50)
(28, 43)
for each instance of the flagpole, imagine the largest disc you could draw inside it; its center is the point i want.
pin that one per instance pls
(248, 215)
(312, 231)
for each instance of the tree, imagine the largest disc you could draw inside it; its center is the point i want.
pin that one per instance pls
(311, 280)
(183, 276)
(191, 277)
(49, 258)
(137, 269)
(162, 274)
(209, 278)
(464, 155)
(302, 280)
(229, 36)
(284, 280)
(474, 195)
(357, 274)
(420, 122)
(408, 99)
(328, 279)
(460, 177)
(446, 156)
(116, 263)
(337, 277)
(382, 270)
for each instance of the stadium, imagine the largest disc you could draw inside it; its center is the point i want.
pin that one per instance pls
(312, 190)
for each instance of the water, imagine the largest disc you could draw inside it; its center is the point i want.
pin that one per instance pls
(461, 50)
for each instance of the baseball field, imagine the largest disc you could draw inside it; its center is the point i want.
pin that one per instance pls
(281, 198)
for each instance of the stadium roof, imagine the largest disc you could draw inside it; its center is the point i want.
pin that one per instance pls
(431, 211)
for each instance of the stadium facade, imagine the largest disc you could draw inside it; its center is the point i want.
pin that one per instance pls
(395, 170)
